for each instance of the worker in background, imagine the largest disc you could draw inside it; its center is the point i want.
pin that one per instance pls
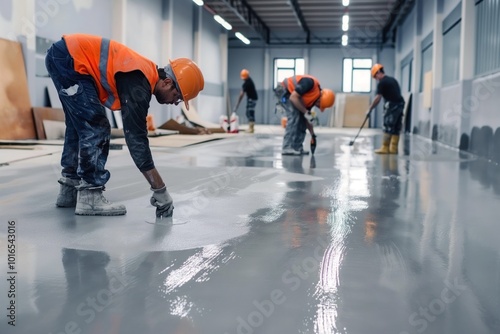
(301, 93)
(91, 72)
(389, 89)
(248, 88)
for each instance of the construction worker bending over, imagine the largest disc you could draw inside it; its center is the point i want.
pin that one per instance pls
(388, 88)
(301, 93)
(90, 72)
(248, 88)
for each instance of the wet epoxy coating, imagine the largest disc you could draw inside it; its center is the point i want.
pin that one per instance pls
(343, 242)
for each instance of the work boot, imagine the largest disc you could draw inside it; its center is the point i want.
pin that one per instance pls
(91, 202)
(250, 127)
(67, 193)
(384, 149)
(393, 148)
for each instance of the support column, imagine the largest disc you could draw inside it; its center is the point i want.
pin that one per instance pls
(437, 66)
(467, 61)
(416, 64)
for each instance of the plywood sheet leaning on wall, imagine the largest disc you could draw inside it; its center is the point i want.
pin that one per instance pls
(41, 114)
(355, 108)
(15, 106)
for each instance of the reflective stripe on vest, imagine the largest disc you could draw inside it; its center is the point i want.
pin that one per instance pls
(103, 68)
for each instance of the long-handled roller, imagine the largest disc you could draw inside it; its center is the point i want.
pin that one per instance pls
(362, 125)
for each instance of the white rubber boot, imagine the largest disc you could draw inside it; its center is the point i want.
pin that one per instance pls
(67, 193)
(91, 202)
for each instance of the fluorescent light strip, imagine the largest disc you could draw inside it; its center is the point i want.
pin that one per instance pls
(198, 2)
(345, 19)
(242, 38)
(345, 22)
(345, 39)
(223, 22)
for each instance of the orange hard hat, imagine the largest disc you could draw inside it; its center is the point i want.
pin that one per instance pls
(327, 99)
(375, 69)
(189, 78)
(244, 74)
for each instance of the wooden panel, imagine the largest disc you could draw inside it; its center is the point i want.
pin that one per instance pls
(356, 106)
(40, 114)
(15, 106)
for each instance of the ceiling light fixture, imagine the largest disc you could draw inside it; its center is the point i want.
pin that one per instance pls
(242, 38)
(345, 22)
(198, 2)
(223, 22)
(345, 39)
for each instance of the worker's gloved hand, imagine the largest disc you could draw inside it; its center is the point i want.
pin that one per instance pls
(308, 116)
(163, 202)
(368, 112)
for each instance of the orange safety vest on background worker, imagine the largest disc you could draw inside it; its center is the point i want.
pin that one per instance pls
(311, 96)
(102, 59)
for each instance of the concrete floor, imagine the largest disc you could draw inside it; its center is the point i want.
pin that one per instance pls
(342, 242)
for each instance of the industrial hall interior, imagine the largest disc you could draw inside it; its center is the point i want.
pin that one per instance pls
(249, 166)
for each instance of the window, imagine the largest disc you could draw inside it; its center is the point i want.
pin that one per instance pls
(287, 67)
(357, 75)
(406, 77)
(451, 54)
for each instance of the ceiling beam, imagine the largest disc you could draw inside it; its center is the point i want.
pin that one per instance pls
(246, 14)
(397, 15)
(300, 18)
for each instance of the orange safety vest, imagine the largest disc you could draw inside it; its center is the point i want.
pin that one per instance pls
(102, 58)
(311, 96)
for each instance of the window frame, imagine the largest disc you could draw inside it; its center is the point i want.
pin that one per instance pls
(352, 74)
(294, 68)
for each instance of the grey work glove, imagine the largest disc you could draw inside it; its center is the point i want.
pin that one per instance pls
(163, 202)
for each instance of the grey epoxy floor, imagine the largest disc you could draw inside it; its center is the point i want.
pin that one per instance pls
(342, 242)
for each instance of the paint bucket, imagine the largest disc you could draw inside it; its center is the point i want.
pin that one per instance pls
(234, 123)
(224, 124)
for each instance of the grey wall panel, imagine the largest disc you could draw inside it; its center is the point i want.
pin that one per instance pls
(487, 37)
(449, 110)
(451, 55)
(406, 34)
(449, 6)
(428, 14)
(144, 36)
(485, 101)
(53, 19)
(211, 65)
(6, 19)
(182, 29)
